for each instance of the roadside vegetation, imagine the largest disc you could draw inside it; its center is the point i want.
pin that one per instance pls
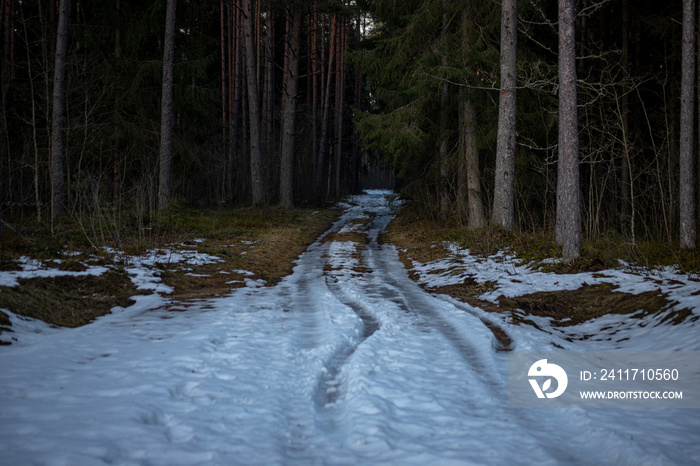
(259, 244)
(423, 239)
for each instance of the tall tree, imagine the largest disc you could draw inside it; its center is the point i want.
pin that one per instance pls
(475, 207)
(322, 164)
(167, 115)
(568, 225)
(256, 181)
(504, 190)
(289, 105)
(4, 88)
(687, 191)
(625, 180)
(58, 184)
(444, 122)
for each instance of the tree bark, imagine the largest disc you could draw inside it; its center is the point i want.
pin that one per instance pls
(116, 138)
(475, 206)
(315, 93)
(340, 104)
(444, 191)
(268, 107)
(687, 175)
(568, 226)
(58, 185)
(4, 90)
(253, 105)
(289, 106)
(625, 180)
(322, 163)
(35, 139)
(167, 112)
(504, 198)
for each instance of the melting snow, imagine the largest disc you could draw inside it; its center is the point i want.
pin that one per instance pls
(337, 364)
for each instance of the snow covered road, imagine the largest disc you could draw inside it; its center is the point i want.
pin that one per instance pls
(346, 361)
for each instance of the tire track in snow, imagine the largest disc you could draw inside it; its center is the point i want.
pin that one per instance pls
(385, 280)
(328, 271)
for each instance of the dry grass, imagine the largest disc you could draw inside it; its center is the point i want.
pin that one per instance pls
(263, 241)
(267, 250)
(421, 239)
(68, 301)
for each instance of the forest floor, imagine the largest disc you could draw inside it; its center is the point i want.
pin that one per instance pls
(64, 280)
(352, 358)
(421, 241)
(260, 245)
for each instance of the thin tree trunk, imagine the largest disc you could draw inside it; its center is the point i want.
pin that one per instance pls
(224, 96)
(625, 180)
(253, 105)
(4, 90)
(568, 190)
(289, 106)
(35, 139)
(58, 186)
(355, 187)
(167, 115)
(315, 92)
(444, 191)
(687, 175)
(322, 163)
(234, 90)
(504, 191)
(340, 102)
(116, 142)
(269, 83)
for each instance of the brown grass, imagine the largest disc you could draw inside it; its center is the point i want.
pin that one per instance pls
(270, 257)
(421, 239)
(263, 241)
(68, 301)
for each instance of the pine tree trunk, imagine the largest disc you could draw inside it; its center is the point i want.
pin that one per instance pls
(167, 113)
(444, 191)
(625, 180)
(504, 189)
(224, 96)
(58, 186)
(340, 103)
(322, 163)
(355, 186)
(687, 175)
(269, 83)
(4, 90)
(235, 93)
(116, 140)
(475, 206)
(315, 92)
(568, 234)
(289, 106)
(253, 105)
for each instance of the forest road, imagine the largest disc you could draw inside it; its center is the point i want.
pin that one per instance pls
(346, 361)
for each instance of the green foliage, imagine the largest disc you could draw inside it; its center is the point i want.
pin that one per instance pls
(405, 75)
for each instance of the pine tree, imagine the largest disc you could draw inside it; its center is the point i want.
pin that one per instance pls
(687, 180)
(568, 232)
(249, 22)
(167, 108)
(58, 147)
(504, 190)
(289, 106)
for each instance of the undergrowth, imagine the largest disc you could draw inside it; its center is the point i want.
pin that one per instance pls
(262, 241)
(414, 230)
